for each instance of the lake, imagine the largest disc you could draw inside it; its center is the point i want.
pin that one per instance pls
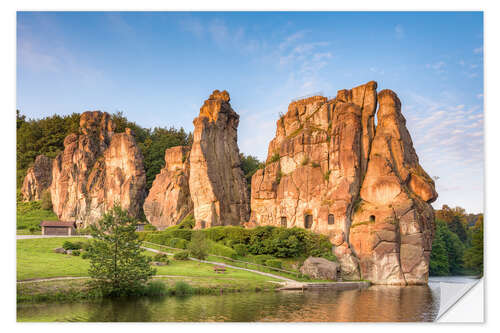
(376, 303)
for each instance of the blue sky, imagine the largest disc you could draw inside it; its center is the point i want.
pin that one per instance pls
(158, 68)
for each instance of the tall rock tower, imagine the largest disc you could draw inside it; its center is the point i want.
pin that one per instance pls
(329, 170)
(216, 181)
(97, 169)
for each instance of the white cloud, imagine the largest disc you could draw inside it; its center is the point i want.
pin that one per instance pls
(478, 50)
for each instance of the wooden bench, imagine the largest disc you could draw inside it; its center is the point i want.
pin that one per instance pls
(219, 269)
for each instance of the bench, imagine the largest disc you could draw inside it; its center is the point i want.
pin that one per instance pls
(219, 269)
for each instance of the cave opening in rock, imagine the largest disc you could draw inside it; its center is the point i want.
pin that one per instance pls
(283, 222)
(308, 221)
(331, 219)
(372, 218)
(202, 224)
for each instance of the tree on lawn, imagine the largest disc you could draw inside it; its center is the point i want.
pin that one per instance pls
(117, 265)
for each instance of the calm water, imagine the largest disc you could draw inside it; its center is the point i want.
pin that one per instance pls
(377, 303)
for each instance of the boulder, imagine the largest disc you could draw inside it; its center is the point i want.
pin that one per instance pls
(158, 263)
(169, 199)
(69, 252)
(97, 169)
(216, 181)
(38, 178)
(60, 250)
(320, 269)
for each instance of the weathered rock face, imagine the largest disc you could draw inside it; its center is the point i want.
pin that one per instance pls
(38, 178)
(169, 199)
(319, 268)
(328, 170)
(216, 182)
(97, 169)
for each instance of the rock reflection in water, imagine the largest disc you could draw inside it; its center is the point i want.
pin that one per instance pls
(377, 303)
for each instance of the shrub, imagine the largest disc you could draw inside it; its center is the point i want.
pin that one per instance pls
(276, 263)
(329, 256)
(32, 229)
(149, 227)
(241, 249)
(326, 176)
(155, 288)
(183, 255)
(46, 200)
(85, 255)
(178, 243)
(279, 176)
(187, 223)
(67, 245)
(275, 157)
(198, 248)
(261, 259)
(157, 237)
(315, 165)
(161, 257)
(75, 252)
(181, 233)
(305, 160)
(182, 288)
(221, 250)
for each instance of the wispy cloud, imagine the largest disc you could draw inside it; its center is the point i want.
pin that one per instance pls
(399, 31)
(478, 50)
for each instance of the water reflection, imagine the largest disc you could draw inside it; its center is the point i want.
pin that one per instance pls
(377, 303)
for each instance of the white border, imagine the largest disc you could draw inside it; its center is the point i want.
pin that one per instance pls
(492, 109)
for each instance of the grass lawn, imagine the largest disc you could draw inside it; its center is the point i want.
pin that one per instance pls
(36, 259)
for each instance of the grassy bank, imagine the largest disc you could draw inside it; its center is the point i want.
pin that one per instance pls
(29, 215)
(78, 290)
(36, 259)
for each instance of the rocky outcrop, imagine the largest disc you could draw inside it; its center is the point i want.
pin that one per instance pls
(216, 181)
(38, 178)
(97, 169)
(169, 199)
(330, 171)
(319, 268)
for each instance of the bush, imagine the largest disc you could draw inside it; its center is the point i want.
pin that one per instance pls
(178, 243)
(183, 255)
(221, 250)
(85, 255)
(149, 227)
(75, 253)
(187, 223)
(32, 230)
(181, 288)
(198, 248)
(161, 257)
(261, 259)
(241, 249)
(155, 288)
(46, 200)
(181, 233)
(67, 245)
(315, 165)
(276, 263)
(275, 157)
(305, 160)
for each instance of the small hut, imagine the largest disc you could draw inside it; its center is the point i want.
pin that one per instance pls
(58, 228)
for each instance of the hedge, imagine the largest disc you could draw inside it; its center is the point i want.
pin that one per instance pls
(241, 249)
(221, 250)
(178, 243)
(183, 255)
(276, 263)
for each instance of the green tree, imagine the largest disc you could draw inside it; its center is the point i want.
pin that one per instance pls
(439, 258)
(46, 200)
(117, 265)
(249, 164)
(474, 256)
(198, 247)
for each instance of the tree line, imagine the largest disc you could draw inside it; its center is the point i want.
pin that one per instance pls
(46, 136)
(458, 243)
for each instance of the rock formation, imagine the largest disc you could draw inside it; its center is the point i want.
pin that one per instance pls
(319, 268)
(216, 182)
(330, 171)
(169, 199)
(38, 178)
(97, 169)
